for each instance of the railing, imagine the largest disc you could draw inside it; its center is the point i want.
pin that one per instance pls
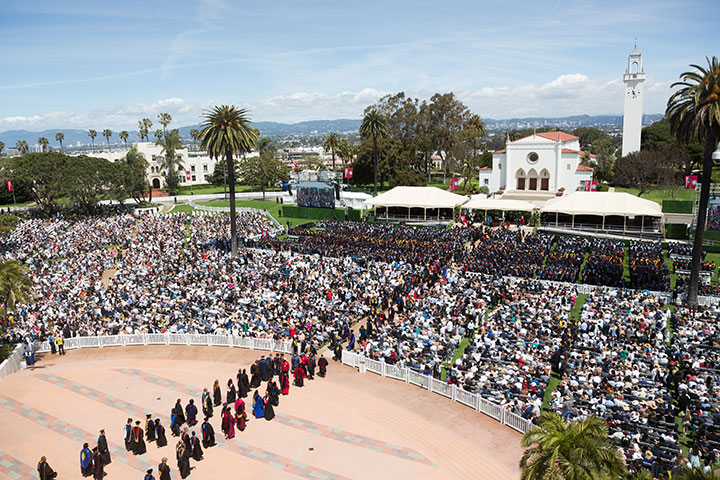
(14, 362)
(472, 400)
(206, 208)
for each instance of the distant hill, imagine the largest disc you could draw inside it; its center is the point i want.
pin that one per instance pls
(275, 129)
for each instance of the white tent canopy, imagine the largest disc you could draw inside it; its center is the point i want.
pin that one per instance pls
(499, 204)
(417, 197)
(603, 204)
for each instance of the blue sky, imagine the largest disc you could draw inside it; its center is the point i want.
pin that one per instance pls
(81, 64)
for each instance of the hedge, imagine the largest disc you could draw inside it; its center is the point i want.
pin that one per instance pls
(677, 206)
(318, 213)
(676, 231)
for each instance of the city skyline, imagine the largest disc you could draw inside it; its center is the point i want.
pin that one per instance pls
(74, 66)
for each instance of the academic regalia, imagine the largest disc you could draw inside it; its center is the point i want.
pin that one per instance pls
(149, 429)
(311, 367)
(149, 476)
(264, 370)
(284, 383)
(273, 393)
(86, 462)
(183, 458)
(244, 384)
(178, 410)
(191, 411)
(45, 471)
(138, 440)
(174, 424)
(228, 424)
(208, 434)
(164, 471)
(231, 393)
(128, 437)
(322, 364)
(196, 449)
(269, 412)
(161, 439)
(186, 439)
(207, 405)
(104, 450)
(255, 376)
(299, 375)
(217, 396)
(98, 468)
(259, 407)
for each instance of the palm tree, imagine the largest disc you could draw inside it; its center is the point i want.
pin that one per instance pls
(147, 125)
(226, 132)
(142, 131)
(158, 134)
(107, 133)
(171, 160)
(22, 147)
(124, 136)
(694, 114)
(60, 137)
(694, 474)
(43, 142)
(92, 134)
(165, 120)
(15, 286)
(195, 134)
(578, 450)
(374, 125)
(331, 143)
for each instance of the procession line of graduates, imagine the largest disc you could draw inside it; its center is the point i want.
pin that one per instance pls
(92, 462)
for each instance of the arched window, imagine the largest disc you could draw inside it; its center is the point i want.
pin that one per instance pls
(520, 176)
(544, 180)
(533, 178)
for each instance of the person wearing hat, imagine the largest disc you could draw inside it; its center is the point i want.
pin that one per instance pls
(128, 435)
(164, 470)
(149, 475)
(85, 461)
(103, 448)
(149, 428)
(138, 441)
(97, 463)
(160, 438)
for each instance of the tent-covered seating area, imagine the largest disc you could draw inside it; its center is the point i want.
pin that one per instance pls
(416, 204)
(603, 212)
(498, 207)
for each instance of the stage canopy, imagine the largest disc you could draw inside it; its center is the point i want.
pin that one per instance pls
(489, 204)
(603, 204)
(417, 197)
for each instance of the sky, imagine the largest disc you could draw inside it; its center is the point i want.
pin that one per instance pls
(82, 64)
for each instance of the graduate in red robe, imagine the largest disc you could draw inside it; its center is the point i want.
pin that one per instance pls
(138, 440)
(284, 383)
(322, 365)
(228, 423)
(299, 375)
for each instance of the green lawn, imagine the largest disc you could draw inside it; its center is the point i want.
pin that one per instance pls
(660, 194)
(208, 189)
(182, 208)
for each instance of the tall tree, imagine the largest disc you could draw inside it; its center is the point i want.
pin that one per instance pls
(22, 147)
(15, 286)
(158, 134)
(560, 450)
(448, 117)
(92, 134)
(589, 135)
(124, 136)
(107, 133)
(164, 119)
(134, 174)
(330, 142)
(226, 132)
(266, 150)
(195, 134)
(374, 126)
(43, 142)
(172, 160)
(694, 114)
(2, 145)
(60, 137)
(147, 125)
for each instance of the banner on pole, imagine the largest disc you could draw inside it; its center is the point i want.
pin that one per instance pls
(9, 186)
(348, 172)
(691, 182)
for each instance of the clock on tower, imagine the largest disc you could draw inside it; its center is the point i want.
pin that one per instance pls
(632, 116)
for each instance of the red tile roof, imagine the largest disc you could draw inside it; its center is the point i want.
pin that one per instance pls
(579, 152)
(501, 151)
(583, 168)
(486, 168)
(564, 137)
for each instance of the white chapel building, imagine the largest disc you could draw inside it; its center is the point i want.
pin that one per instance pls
(539, 166)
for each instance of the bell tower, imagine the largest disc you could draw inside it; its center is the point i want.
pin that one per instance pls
(632, 116)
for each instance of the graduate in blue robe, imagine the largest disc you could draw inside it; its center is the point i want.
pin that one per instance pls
(85, 461)
(258, 405)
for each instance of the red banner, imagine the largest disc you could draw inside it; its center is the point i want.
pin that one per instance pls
(587, 185)
(9, 185)
(454, 183)
(691, 182)
(348, 172)
(593, 186)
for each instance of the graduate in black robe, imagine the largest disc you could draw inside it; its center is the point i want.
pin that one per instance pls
(255, 375)
(183, 459)
(178, 410)
(264, 369)
(244, 384)
(160, 438)
(195, 448)
(149, 428)
(230, 392)
(191, 411)
(206, 403)
(273, 394)
(85, 461)
(103, 448)
(164, 470)
(208, 434)
(217, 394)
(44, 470)
(138, 439)
(322, 365)
(128, 436)
(98, 467)
(311, 367)
(269, 410)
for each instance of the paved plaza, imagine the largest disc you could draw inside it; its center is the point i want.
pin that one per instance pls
(346, 426)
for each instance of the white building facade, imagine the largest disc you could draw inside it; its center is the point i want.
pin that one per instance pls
(633, 112)
(542, 164)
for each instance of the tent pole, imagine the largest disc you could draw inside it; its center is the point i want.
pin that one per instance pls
(424, 213)
(642, 224)
(556, 219)
(573, 221)
(603, 224)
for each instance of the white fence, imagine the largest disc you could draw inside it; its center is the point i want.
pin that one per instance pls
(13, 363)
(472, 400)
(205, 208)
